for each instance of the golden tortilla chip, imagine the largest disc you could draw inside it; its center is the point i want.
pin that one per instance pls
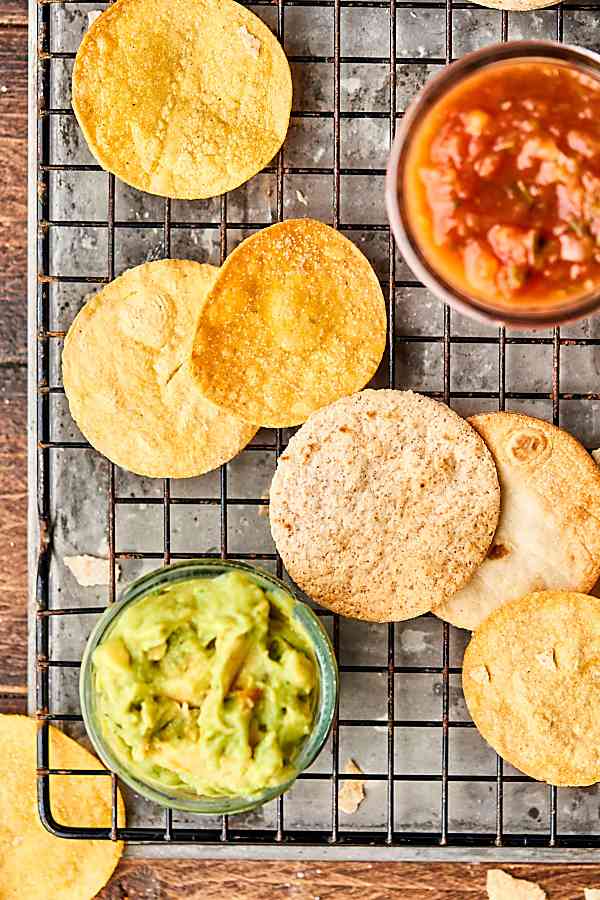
(538, 705)
(127, 380)
(34, 865)
(182, 98)
(296, 320)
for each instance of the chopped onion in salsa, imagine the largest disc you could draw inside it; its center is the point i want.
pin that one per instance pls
(502, 183)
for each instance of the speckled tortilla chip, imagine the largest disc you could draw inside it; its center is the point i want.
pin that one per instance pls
(539, 707)
(182, 98)
(382, 504)
(127, 380)
(548, 535)
(34, 865)
(296, 319)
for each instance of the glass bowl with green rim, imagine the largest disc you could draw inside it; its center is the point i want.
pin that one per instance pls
(188, 800)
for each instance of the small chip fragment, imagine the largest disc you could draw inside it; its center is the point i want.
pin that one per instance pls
(481, 674)
(251, 42)
(596, 456)
(351, 793)
(90, 571)
(502, 886)
(301, 198)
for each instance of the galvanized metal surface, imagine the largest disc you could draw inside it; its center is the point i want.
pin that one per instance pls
(434, 790)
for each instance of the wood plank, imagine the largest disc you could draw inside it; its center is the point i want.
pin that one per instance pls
(13, 13)
(227, 880)
(13, 528)
(13, 211)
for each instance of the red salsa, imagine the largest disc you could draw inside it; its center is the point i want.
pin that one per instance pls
(502, 184)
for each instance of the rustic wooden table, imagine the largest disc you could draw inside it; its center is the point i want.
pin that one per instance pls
(138, 878)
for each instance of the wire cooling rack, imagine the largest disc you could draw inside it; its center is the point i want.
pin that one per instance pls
(433, 789)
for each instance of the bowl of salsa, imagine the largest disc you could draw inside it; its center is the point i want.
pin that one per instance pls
(493, 184)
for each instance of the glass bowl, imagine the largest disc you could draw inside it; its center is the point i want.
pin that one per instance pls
(436, 88)
(187, 799)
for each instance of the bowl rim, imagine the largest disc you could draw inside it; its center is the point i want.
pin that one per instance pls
(328, 677)
(435, 88)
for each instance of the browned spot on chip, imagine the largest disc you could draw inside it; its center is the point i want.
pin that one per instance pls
(498, 551)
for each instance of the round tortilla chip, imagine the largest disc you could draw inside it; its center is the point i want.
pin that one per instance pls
(34, 865)
(296, 319)
(127, 379)
(182, 98)
(516, 5)
(531, 678)
(548, 535)
(382, 504)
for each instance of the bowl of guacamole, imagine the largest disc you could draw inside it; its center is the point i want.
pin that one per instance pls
(209, 686)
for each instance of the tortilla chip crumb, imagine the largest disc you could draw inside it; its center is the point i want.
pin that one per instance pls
(596, 456)
(90, 571)
(351, 793)
(92, 16)
(502, 886)
(251, 42)
(301, 198)
(480, 674)
(547, 659)
(591, 893)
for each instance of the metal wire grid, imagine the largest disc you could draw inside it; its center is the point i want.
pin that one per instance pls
(228, 834)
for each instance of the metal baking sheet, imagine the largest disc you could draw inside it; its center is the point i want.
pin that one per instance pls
(434, 789)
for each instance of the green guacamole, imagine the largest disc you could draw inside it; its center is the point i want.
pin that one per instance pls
(208, 684)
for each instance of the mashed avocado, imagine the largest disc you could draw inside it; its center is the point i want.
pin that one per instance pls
(208, 684)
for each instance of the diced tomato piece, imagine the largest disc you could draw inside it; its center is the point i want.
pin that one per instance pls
(555, 165)
(513, 245)
(570, 201)
(481, 266)
(574, 248)
(488, 165)
(475, 121)
(450, 147)
(441, 197)
(583, 143)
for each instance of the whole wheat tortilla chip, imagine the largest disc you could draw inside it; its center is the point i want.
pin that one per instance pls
(502, 886)
(295, 320)
(538, 704)
(182, 98)
(34, 865)
(127, 380)
(382, 504)
(548, 535)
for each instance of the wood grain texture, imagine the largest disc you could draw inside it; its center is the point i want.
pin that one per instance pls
(13, 518)
(13, 209)
(325, 881)
(13, 12)
(154, 880)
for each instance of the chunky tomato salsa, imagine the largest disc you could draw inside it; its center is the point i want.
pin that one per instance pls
(502, 184)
